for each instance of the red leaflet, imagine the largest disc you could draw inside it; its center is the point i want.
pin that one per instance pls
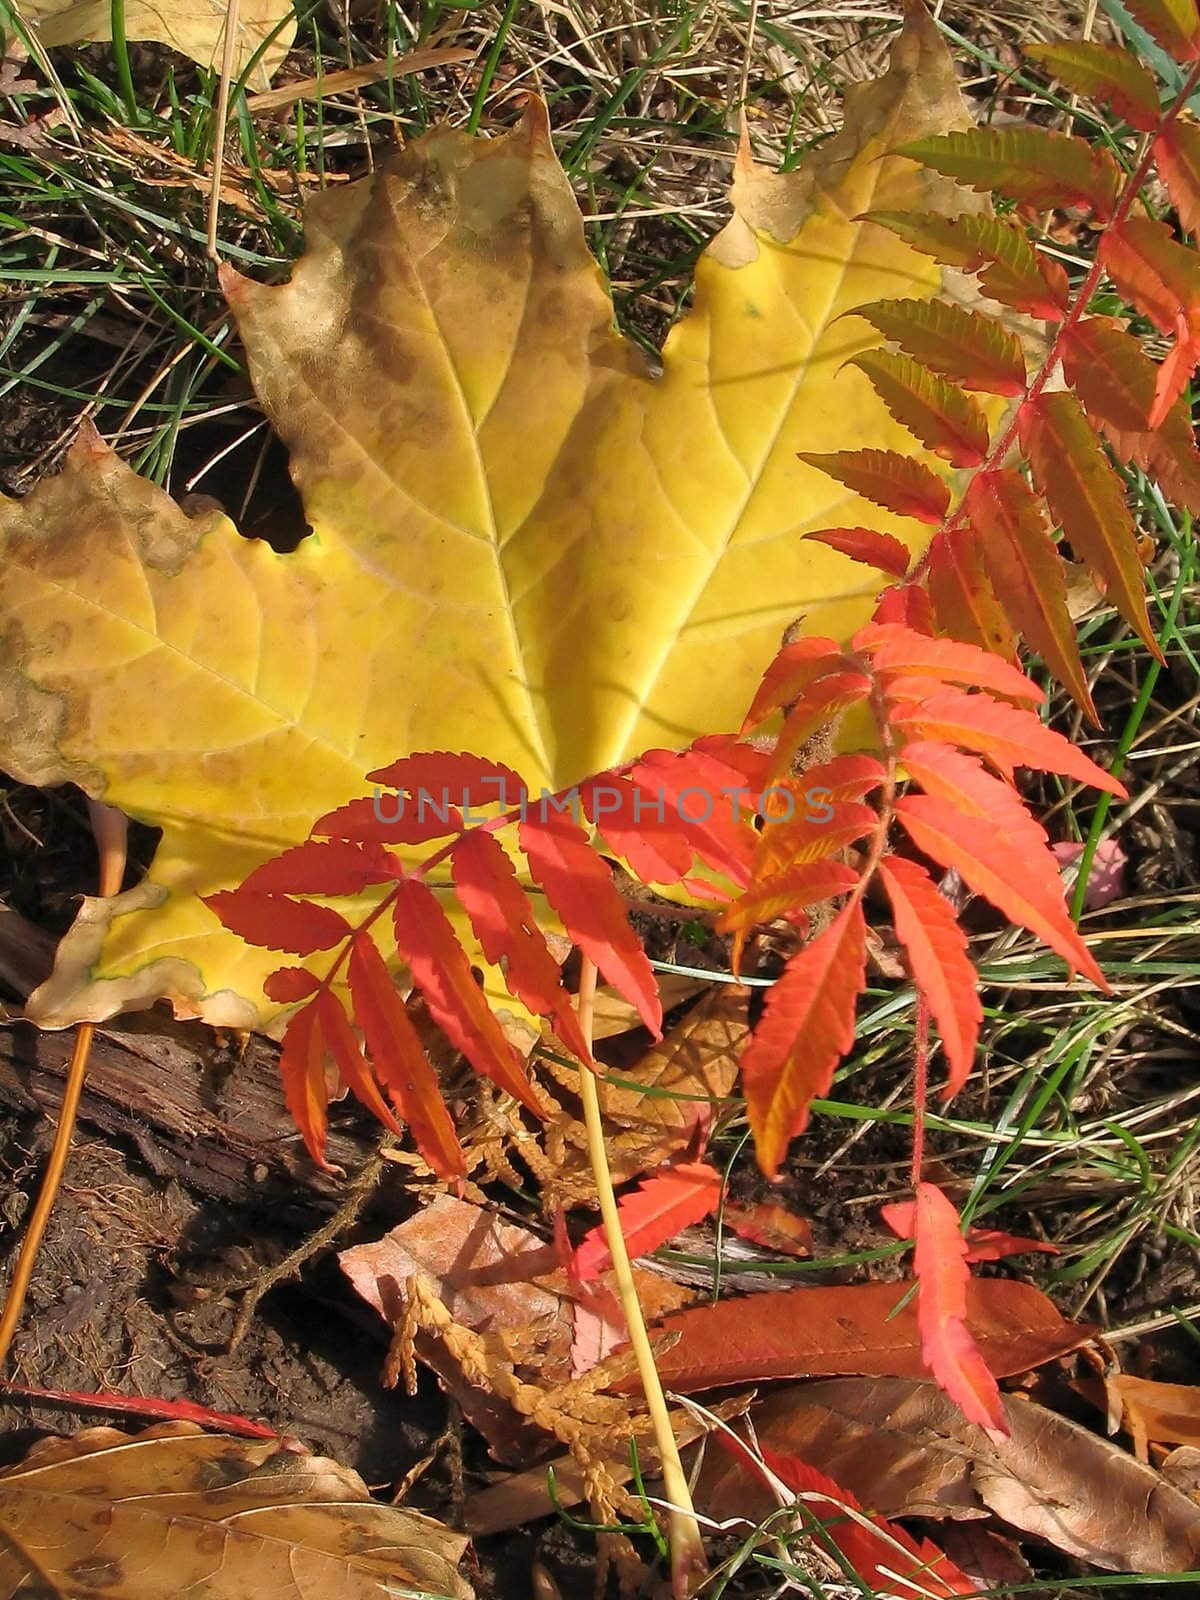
(825, 828)
(399, 1061)
(703, 799)
(773, 1226)
(884, 1555)
(634, 827)
(1104, 72)
(937, 956)
(1008, 735)
(426, 940)
(579, 886)
(989, 1244)
(1009, 268)
(963, 345)
(277, 923)
(1111, 373)
(942, 1278)
(907, 604)
(1172, 23)
(506, 926)
(1027, 572)
(348, 1058)
(331, 867)
(994, 868)
(895, 482)
(286, 985)
(658, 1209)
(784, 894)
(895, 649)
(880, 550)
(464, 780)
(845, 777)
(1177, 153)
(945, 418)
(964, 601)
(744, 760)
(392, 819)
(807, 1027)
(963, 782)
(821, 703)
(137, 1405)
(305, 1089)
(1029, 164)
(1088, 499)
(789, 674)
(1152, 269)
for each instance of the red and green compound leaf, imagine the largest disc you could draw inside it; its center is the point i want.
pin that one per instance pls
(882, 551)
(1032, 165)
(1177, 154)
(895, 482)
(1010, 269)
(1172, 24)
(964, 602)
(966, 346)
(1106, 73)
(944, 418)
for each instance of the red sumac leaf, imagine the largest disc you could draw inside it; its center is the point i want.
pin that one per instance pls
(883, 551)
(1172, 24)
(658, 1209)
(964, 783)
(771, 1225)
(505, 924)
(426, 940)
(390, 819)
(348, 1058)
(964, 601)
(994, 868)
(967, 346)
(942, 416)
(275, 922)
(895, 482)
(1031, 164)
(704, 800)
(806, 1028)
(579, 886)
(937, 956)
(631, 825)
(789, 674)
(1010, 269)
(895, 649)
(326, 867)
(1177, 152)
(1104, 72)
(946, 1343)
(909, 605)
(305, 1089)
(286, 985)
(399, 1061)
(464, 780)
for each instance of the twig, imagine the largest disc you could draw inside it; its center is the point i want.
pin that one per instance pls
(111, 830)
(687, 1549)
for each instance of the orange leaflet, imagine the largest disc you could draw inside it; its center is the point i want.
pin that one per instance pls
(1172, 23)
(439, 966)
(305, 1090)
(940, 1259)
(895, 482)
(629, 822)
(1009, 268)
(945, 418)
(1104, 72)
(821, 703)
(658, 1209)
(288, 984)
(505, 924)
(806, 1028)
(399, 1060)
(907, 604)
(882, 551)
(964, 783)
(1027, 572)
(1029, 164)
(1087, 498)
(937, 955)
(1007, 735)
(773, 1226)
(789, 674)
(704, 799)
(993, 867)
(1177, 153)
(445, 776)
(963, 345)
(964, 602)
(578, 884)
(278, 923)
(983, 1244)
(347, 1057)
(895, 649)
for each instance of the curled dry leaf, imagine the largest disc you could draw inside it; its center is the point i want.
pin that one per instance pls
(905, 1449)
(174, 1510)
(195, 28)
(480, 455)
(499, 1280)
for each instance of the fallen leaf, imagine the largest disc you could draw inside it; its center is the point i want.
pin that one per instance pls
(499, 1280)
(195, 28)
(174, 1510)
(773, 1226)
(1157, 1413)
(480, 457)
(653, 1213)
(905, 1449)
(1107, 878)
(857, 1328)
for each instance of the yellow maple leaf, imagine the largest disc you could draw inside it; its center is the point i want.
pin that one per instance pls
(524, 543)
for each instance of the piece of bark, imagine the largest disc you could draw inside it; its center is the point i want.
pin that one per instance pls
(208, 1114)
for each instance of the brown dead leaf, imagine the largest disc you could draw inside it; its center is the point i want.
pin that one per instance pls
(195, 28)
(499, 1280)
(174, 1510)
(856, 1328)
(1155, 1413)
(904, 1448)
